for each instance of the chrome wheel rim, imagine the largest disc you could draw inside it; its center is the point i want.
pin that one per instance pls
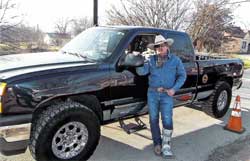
(70, 140)
(222, 100)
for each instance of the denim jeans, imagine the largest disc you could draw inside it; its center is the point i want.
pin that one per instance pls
(159, 103)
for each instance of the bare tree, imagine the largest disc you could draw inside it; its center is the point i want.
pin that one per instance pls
(8, 15)
(169, 14)
(22, 38)
(14, 35)
(33, 37)
(240, 1)
(81, 24)
(210, 20)
(9, 18)
(62, 25)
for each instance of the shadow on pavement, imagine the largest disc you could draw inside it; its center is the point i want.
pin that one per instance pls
(196, 136)
(192, 146)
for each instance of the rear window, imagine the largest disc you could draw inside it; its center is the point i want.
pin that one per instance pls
(182, 47)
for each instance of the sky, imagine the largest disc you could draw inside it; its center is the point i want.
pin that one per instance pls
(46, 12)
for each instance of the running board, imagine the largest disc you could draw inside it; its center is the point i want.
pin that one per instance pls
(133, 127)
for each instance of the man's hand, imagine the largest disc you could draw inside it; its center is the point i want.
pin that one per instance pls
(146, 54)
(146, 57)
(171, 92)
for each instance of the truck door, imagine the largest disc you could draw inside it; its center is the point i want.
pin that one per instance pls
(182, 47)
(129, 90)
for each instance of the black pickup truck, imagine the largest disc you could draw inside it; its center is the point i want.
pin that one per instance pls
(56, 102)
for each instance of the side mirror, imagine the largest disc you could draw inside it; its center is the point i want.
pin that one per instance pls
(133, 60)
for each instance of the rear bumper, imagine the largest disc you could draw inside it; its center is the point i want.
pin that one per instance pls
(14, 138)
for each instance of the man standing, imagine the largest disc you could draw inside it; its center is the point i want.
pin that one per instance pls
(166, 76)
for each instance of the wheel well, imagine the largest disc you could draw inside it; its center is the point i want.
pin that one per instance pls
(229, 80)
(91, 101)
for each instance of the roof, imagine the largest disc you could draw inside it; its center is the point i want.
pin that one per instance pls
(137, 28)
(247, 36)
(59, 35)
(235, 32)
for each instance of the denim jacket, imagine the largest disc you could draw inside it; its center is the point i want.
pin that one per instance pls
(171, 75)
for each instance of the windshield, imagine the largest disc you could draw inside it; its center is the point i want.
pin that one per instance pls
(94, 44)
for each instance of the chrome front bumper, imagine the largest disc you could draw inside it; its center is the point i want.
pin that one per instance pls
(14, 138)
(15, 132)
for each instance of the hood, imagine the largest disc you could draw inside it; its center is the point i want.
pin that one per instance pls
(16, 64)
(35, 59)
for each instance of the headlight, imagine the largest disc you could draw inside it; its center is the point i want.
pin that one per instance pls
(2, 92)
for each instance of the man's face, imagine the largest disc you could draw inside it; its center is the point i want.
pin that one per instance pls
(161, 49)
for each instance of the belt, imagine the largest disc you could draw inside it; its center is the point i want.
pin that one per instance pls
(159, 89)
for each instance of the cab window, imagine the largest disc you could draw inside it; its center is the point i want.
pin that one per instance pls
(182, 47)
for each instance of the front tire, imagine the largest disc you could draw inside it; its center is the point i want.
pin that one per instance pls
(218, 103)
(66, 131)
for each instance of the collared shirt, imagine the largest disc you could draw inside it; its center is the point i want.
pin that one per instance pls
(172, 74)
(161, 60)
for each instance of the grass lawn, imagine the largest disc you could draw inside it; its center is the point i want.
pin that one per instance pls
(4, 47)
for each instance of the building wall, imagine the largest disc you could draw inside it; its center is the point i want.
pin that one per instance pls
(47, 40)
(232, 46)
(245, 44)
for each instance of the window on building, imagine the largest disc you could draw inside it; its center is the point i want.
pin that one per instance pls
(244, 44)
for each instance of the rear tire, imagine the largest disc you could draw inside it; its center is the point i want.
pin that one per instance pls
(66, 131)
(218, 103)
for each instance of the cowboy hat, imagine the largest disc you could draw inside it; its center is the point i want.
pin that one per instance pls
(159, 39)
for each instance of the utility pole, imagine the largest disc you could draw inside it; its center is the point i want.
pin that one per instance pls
(95, 16)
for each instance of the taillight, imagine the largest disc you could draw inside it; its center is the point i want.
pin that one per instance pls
(2, 93)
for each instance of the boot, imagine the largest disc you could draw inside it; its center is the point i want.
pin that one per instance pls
(157, 150)
(166, 143)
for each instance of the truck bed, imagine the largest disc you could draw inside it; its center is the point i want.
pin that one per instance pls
(209, 57)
